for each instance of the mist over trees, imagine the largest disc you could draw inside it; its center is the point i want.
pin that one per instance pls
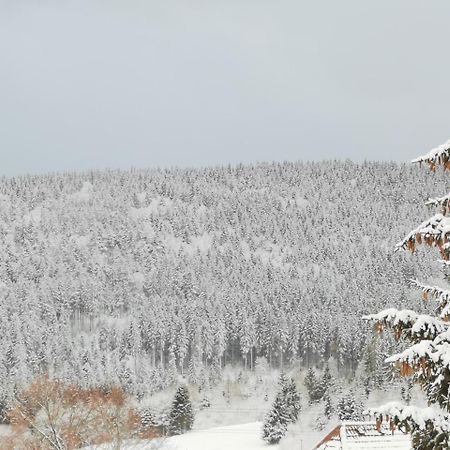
(130, 278)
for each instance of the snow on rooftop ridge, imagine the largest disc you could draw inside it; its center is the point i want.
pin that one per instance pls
(435, 155)
(367, 435)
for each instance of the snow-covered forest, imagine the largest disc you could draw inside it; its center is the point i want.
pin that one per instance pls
(132, 277)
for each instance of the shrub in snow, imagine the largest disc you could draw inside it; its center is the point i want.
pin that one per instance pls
(181, 416)
(427, 360)
(205, 403)
(52, 414)
(147, 419)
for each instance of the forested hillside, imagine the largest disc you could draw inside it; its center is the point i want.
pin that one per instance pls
(131, 277)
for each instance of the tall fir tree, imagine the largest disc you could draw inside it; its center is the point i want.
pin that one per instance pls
(348, 408)
(276, 421)
(285, 410)
(328, 407)
(293, 400)
(181, 416)
(427, 360)
(314, 386)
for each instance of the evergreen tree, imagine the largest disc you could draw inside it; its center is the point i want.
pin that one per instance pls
(328, 407)
(427, 359)
(348, 408)
(293, 401)
(148, 419)
(181, 416)
(326, 383)
(313, 385)
(285, 410)
(276, 422)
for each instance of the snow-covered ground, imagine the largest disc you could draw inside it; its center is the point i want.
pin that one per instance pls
(245, 436)
(235, 437)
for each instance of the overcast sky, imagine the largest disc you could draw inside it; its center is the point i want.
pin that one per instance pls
(143, 83)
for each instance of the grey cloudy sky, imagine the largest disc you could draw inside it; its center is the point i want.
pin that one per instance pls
(108, 83)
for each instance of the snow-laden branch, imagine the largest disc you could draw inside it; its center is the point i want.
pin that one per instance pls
(438, 155)
(413, 354)
(406, 322)
(408, 415)
(440, 201)
(421, 357)
(433, 231)
(441, 296)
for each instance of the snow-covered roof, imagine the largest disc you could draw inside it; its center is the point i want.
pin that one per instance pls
(364, 435)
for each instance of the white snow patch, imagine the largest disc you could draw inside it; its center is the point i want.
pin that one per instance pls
(5, 202)
(158, 206)
(236, 437)
(138, 278)
(33, 217)
(84, 194)
(141, 197)
(202, 244)
(201, 211)
(80, 241)
(148, 230)
(301, 202)
(246, 250)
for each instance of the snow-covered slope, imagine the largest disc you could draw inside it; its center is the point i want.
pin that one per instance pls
(236, 437)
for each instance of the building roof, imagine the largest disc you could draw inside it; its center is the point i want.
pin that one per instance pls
(364, 435)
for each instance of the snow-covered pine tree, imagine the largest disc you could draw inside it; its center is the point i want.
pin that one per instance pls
(348, 408)
(427, 360)
(328, 407)
(293, 400)
(327, 379)
(313, 385)
(276, 421)
(285, 410)
(147, 418)
(181, 416)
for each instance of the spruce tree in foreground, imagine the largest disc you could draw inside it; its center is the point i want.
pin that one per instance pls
(181, 416)
(276, 422)
(328, 407)
(293, 400)
(427, 360)
(285, 410)
(348, 408)
(313, 385)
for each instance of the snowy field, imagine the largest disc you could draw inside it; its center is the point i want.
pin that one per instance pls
(245, 436)
(236, 437)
